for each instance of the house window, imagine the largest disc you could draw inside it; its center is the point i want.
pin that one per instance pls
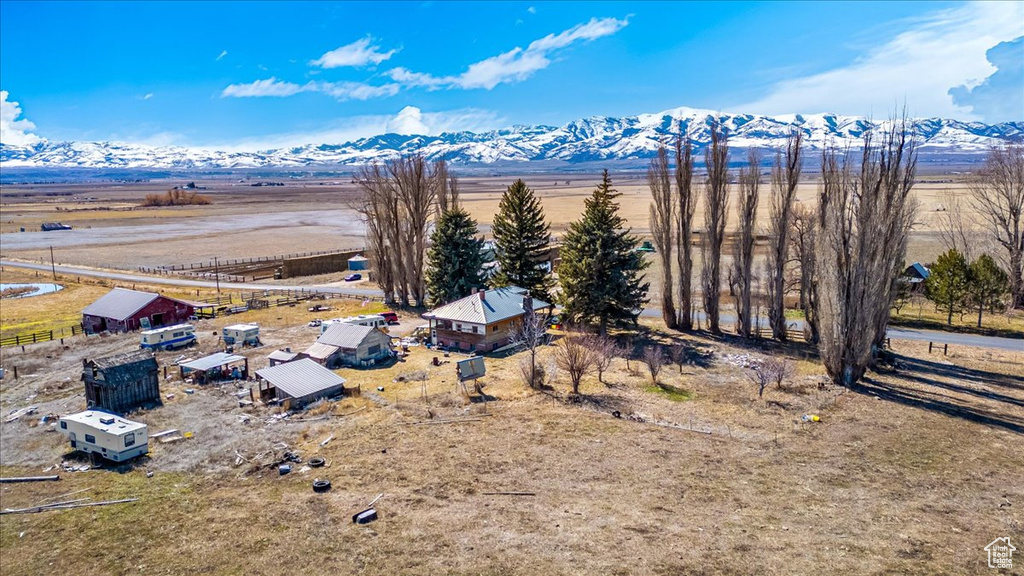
(64, 425)
(494, 328)
(474, 329)
(90, 438)
(129, 439)
(375, 349)
(458, 327)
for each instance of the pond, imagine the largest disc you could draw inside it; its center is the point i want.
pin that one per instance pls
(26, 290)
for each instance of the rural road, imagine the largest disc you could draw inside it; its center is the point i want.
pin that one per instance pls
(1011, 344)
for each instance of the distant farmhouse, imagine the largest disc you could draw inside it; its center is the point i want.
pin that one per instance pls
(123, 310)
(121, 383)
(481, 322)
(916, 274)
(350, 345)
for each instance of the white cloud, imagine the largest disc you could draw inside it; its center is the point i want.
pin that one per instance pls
(148, 96)
(340, 91)
(515, 65)
(222, 55)
(407, 121)
(918, 66)
(269, 87)
(362, 52)
(531, 10)
(15, 132)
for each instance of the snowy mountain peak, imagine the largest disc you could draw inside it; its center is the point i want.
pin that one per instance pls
(597, 138)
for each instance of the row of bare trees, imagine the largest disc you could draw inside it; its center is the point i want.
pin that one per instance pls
(399, 200)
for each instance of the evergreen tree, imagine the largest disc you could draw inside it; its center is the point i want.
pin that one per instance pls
(522, 242)
(601, 271)
(948, 282)
(988, 284)
(455, 260)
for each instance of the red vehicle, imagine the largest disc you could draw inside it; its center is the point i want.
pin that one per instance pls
(391, 316)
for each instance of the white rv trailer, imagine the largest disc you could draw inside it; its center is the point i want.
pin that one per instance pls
(169, 338)
(111, 436)
(372, 320)
(248, 334)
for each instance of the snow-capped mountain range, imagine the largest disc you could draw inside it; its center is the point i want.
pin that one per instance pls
(597, 138)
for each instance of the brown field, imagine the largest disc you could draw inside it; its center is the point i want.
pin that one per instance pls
(914, 474)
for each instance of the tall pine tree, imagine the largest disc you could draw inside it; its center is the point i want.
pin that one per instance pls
(601, 271)
(455, 260)
(522, 242)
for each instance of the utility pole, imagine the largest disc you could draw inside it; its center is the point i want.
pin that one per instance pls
(216, 273)
(53, 266)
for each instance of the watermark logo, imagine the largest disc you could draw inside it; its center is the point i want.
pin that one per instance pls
(1000, 553)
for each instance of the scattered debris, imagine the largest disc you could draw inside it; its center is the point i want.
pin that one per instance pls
(365, 517)
(316, 462)
(284, 469)
(66, 506)
(509, 493)
(320, 486)
(327, 440)
(811, 418)
(28, 410)
(164, 433)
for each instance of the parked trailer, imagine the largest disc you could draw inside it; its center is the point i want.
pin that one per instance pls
(373, 320)
(108, 435)
(169, 338)
(248, 334)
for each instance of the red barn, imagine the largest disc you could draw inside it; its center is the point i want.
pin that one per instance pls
(123, 310)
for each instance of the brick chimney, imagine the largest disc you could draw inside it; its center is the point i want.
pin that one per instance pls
(481, 292)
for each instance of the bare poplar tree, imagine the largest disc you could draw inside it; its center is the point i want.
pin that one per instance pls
(743, 259)
(686, 196)
(785, 177)
(447, 186)
(805, 234)
(716, 205)
(954, 224)
(377, 207)
(865, 215)
(661, 223)
(417, 194)
(997, 191)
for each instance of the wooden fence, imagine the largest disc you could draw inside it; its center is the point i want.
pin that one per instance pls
(42, 336)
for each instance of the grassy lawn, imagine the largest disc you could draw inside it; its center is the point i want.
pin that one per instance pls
(923, 315)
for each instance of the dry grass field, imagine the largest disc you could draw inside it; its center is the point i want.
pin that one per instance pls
(913, 474)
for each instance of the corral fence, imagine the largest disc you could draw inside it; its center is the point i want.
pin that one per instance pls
(240, 269)
(42, 336)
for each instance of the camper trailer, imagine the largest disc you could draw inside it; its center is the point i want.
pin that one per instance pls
(105, 434)
(169, 338)
(372, 320)
(245, 334)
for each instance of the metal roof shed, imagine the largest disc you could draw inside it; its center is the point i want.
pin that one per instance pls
(302, 381)
(215, 367)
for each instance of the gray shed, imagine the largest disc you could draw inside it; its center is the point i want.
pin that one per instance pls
(300, 382)
(350, 345)
(358, 262)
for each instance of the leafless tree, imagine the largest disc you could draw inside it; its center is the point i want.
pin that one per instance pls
(785, 178)
(379, 208)
(805, 227)
(529, 334)
(417, 192)
(768, 371)
(997, 192)
(716, 205)
(954, 223)
(573, 355)
(865, 215)
(686, 197)
(743, 259)
(447, 185)
(605, 351)
(661, 223)
(679, 354)
(760, 378)
(654, 358)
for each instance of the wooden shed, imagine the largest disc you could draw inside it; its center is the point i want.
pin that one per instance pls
(299, 383)
(350, 345)
(122, 382)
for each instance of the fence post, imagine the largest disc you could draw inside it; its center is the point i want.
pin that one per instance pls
(945, 349)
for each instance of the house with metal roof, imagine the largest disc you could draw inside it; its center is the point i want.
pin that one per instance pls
(350, 345)
(282, 356)
(483, 321)
(121, 383)
(299, 383)
(124, 310)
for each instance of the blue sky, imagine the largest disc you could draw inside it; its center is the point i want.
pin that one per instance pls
(262, 74)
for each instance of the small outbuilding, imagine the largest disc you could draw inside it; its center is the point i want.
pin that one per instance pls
(124, 310)
(215, 368)
(121, 383)
(282, 356)
(298, 383)
(107, 435)
(358, 263)
(350, 345)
